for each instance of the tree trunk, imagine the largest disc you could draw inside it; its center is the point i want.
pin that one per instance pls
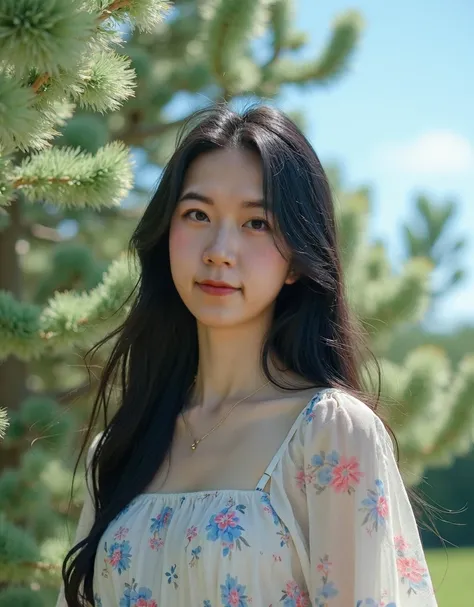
(13, 372)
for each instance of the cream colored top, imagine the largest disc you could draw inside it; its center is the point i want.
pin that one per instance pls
(336, 529)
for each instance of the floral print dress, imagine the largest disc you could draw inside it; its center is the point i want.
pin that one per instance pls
(335, 529)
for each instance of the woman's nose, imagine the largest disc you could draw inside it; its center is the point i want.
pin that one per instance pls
(222, 249)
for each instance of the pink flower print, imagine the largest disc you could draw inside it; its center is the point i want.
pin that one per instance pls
(300, 479)
(346, 475)
(191, 533)
(324, 566)
(156, 543)
(145, 603)
(161, 520)
(400, 543)
(328, 590)
(382, 506)
(376, 507)
(119, 555)
(121, 533)
(284, 537)
(294, 596)
(277, 558)
(330, 469)
(223, 520)
(302, 600)
(291, 589)
(225, 527)
(234, 597)
(410, 569)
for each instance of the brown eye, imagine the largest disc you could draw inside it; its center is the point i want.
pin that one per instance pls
(262, 222)
(197, 211)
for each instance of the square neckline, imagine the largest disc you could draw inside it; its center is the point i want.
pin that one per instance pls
(273, 462)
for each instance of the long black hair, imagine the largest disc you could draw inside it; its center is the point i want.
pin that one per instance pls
(155, 354)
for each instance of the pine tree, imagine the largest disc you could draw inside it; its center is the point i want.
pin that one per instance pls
(76, 105)
(428, 235)
(74, 114)
(428, 401)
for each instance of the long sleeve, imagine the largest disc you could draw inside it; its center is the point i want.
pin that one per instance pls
(364, 545)
(86, 518)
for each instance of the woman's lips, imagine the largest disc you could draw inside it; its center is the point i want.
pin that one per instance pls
(211, 290)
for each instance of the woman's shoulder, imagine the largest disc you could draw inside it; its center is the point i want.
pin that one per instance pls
(90, 454)
(93, 447)
(337, 414)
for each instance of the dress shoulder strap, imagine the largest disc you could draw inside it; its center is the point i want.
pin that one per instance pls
(276, 458)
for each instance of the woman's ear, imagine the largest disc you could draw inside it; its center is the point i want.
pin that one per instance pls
(291, 278)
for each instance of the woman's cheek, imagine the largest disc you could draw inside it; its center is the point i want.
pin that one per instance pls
(180, 241)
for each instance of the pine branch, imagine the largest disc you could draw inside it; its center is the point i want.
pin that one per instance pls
(230, 29)
(280, 20)
(3, 422)
(389, 300)
(331, 64)
(144, 14)
(68, 319)
(41, 232)
(71, 178)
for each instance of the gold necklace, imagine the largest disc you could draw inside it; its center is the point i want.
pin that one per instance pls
(197, 441)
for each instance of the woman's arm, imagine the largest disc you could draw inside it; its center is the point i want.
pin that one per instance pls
(364, 544)
(86, 518)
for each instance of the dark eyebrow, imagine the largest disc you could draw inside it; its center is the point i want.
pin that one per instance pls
(252, 204)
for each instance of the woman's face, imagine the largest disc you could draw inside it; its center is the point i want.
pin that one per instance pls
(216, 235)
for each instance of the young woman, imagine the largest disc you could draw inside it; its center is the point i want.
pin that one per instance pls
(243, 467)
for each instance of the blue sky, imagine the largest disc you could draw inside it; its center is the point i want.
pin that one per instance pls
(401, 120)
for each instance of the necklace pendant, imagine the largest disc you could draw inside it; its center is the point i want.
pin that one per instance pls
(195, 444)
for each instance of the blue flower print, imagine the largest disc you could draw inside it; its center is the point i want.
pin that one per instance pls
(232, 593)
(172, 576)
(158, 523)
(207, 603)
(225, 527)
(265, 499)
(294, 596)
(284, 532)
(332, 458)
(324, 476)
(162, 520)
(326, 592)
(328, 589)
(196, 553)
(119, 555)
(309, 414)
(133, 597)
(97, 601)
(375, 505)
(340, 473)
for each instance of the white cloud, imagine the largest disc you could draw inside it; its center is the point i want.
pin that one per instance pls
(434, 152)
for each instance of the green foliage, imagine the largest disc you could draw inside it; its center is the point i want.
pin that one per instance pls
(425, 398)
(39, 417)
(427, 234)
(61, 166)
(21, 597)
(52, 39)
(67, 176)
(16, 546)
(68, 318)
